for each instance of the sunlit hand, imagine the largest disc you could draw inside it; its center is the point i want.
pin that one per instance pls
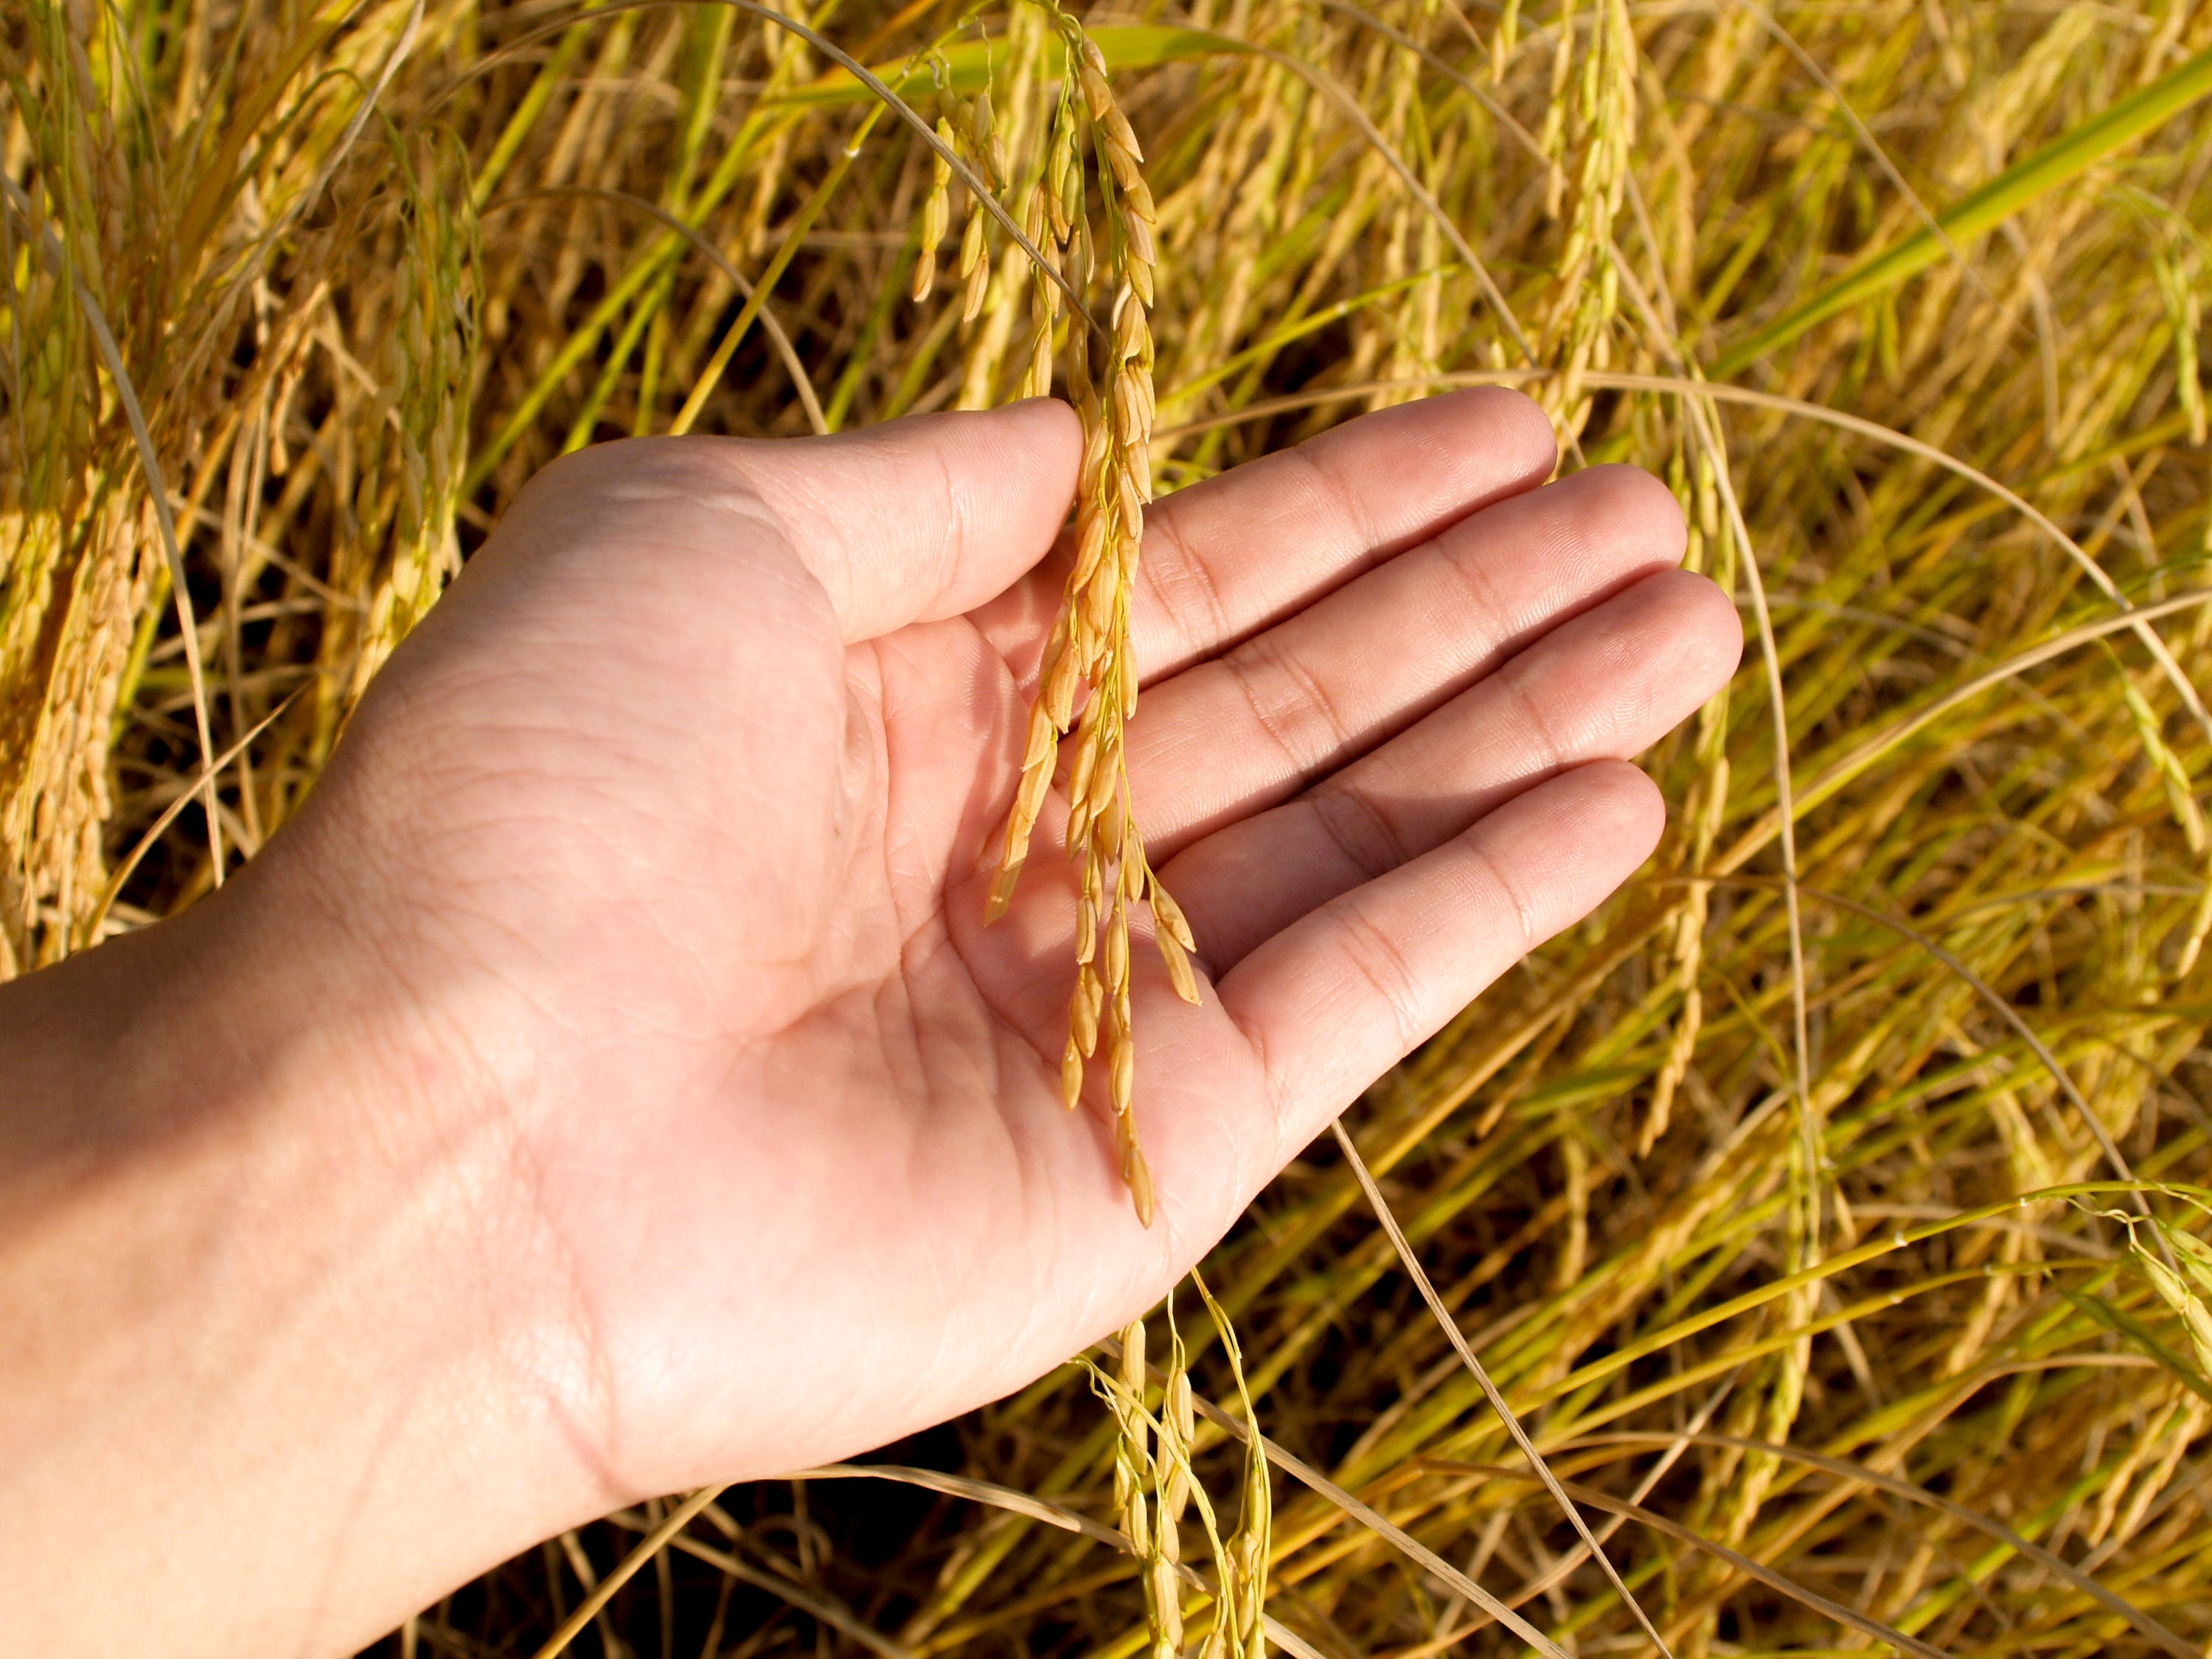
(648, 884)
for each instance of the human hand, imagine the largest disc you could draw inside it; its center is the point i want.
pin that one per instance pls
(648, 885)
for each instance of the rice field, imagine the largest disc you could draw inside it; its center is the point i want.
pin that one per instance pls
(1832, 1208)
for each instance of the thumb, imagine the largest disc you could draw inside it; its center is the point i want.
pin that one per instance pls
(925, 517)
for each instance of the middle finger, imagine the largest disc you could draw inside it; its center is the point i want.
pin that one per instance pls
(1243, 731)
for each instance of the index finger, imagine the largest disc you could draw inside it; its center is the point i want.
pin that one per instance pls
(1225, 559)
(1228, 557)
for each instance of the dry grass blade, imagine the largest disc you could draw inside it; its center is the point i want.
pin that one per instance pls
(647, 1547)
(1996, 1005)
(1306, 1476)
(1035, 1508)
(1859, 1474)
(1741, 1563)
(1926, 451)
(1490, 1391)
(830, 1614)
(977, 1491)
(801, 381)
(153, 832)
(1840, 772)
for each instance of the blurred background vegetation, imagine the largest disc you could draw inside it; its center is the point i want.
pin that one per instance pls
(1730, 1189)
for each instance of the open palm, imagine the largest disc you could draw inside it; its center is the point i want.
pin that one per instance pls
(674, 821)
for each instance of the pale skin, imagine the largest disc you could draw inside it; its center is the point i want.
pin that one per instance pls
(607, 1084)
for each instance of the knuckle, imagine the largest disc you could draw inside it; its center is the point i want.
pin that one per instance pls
(1360, 830)
(1330, 485)
(1375, 957)
(1551, 748)
(1527, 921)
(1256, 669)
(1183, 586)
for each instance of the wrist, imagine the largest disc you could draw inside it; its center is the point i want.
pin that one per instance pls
(261, 1220)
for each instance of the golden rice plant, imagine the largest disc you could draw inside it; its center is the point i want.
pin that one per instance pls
(1828, 1209)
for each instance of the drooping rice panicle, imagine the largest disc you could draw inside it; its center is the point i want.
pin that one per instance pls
(1087, 688)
